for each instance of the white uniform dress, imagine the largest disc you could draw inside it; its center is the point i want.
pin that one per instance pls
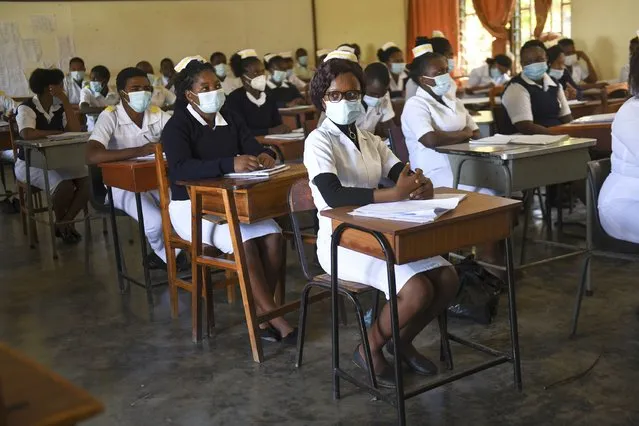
(96, 100)
(480, 76)
(73, 89)
(619, 196)
(328, 150)
(162, 97)
(7, 105)
(397, 86)
(115, 130)
(423, 114)
(579, 72)
(26, 119)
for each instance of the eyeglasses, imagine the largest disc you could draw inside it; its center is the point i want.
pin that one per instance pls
(350, 96)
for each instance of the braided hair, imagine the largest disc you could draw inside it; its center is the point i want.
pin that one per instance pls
(185, 79)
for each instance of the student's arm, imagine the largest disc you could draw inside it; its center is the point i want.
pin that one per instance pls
(384, 127)
(298, 99)
(419, 120)
(592, 74)
(26, 120)
(97, 151)
(565, 115)
(73, 122)
(169, 97)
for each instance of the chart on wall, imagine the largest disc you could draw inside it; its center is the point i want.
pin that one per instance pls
(36, 42)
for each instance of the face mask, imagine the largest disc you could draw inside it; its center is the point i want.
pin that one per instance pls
(303, 60)
(278, 76)
(57, 101)
(259, 83)
(96, 86)
(556, 74)
(443, 84)
(211, 102)
(151, 78)
(535, 71)
(139, 101)
(397, 68)
(451, 65)
(77, 75)
(371, 101)
(571, 60)
(220, 70)
(495, 73)
(344, 112)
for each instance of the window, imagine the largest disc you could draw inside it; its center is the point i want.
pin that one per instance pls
(476, 44)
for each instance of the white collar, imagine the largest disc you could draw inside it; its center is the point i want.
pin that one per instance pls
(448, 100)
(547, 81)
(219, 120)
(151, 115)
(272, 85)
(39, 107)
(257, 101)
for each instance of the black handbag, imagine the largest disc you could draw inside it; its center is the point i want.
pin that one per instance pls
(478, 296)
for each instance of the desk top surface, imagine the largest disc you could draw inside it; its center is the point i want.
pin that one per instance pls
(512, 151)
(483, 117)
(301, 109)
(41, 396)
(280, 141)
(294, 171)
(474, 205)
(128, 164)
(50, 143)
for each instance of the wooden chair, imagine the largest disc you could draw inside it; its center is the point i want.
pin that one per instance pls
(493, 93)
(398, 143)
(172, 242)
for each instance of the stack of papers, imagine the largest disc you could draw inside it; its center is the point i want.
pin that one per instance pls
(576, 102)
(295, 135)
(148, 157)
(499, 139)
(68, 135)
(597, 118)
(479, 100)
(295, 108)
(262, 173)
(416, 211)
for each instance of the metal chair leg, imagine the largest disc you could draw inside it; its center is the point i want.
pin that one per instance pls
(105, 228)
(302, 324)
(528, 198)
(342, 311)
(362, 330)
(375, 311)
(580, 295)
(444, 343)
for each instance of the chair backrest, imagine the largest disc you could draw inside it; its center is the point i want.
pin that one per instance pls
(598, 171)
(165, 199)
(398, 143)
(14, 135)
(300, 200)
(97, 190)
(501, 121)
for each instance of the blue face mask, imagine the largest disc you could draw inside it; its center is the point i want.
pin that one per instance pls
(556, 74)
(443, 83)
(139, 101)
(303, 60)
(535, 71)
(495, 73)
(220, 70)
(96, 86)
(451, 65)
(397, 67)
(278, 76)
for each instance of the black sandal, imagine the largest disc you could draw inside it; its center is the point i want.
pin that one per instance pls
(270, 334)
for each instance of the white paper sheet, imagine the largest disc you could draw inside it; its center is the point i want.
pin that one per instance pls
(499, 139)
(597, 118)
(262, 173)
(417, 211)
(43, 23)
(32, 49)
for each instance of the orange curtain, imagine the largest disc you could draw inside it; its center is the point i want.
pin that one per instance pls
(494, 16)
(542, 7)
(426, 16)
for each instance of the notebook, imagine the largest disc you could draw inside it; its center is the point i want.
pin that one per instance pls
(295, 108)
(416, 211)
(575, 102)
(148, 157)
(67, 135)
(499, 139)
(597, 118)
(285, 136)
(262, 173)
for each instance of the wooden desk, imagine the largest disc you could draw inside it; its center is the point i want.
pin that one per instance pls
(287, 149)
(238, 200)
(595, 107)
(294, 117)
(599, 131)
(33, 395)
(5, 138)
(477, 220)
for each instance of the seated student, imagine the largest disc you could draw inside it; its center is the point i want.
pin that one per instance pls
(391, 55)
(345, 165)
(129, 130)
(96, 96)
(250, 101)
(229, 82)
(8, 109)
(74, 82)
(493, 73)
(580, 74)
(439, 45)
(162, 97)
(288, 65)
(168, 74)
(378, 109)
(624, 73)
(277, 87)
(205, 140)
(302, 69)
(533, 100)
(558, 71)
(50, 112)
(619, 196)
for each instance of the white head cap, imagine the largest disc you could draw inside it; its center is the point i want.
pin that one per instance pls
(341, 54)
(438, 33)
(184, 62)
(247, 53)
(421, 49)
(323, 52)
(388, 45)
(286, 55)
(637, 33)
(346, 49)
(269, 56)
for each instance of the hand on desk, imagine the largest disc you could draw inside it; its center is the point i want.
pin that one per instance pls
(245, 163)
(266, 161)
(282, 128)
(146, 149)
(414, 186)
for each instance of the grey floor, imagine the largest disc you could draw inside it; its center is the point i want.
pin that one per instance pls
(145, 369)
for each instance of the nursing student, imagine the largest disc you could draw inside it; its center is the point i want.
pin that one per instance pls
(96, 96)
(557, 70)
(439, 45)
(288, 65)
(392, 56)
(204, 139)
(320, 55)
(578, 64)
(302, 69)
(619, 196)
(491, 74)
(74, 81)
(633, 46)
(167, 74)
(50, 112)
(533, 100)
(251, 102)
(285, 94)
(162, 97)
(345, 165)
(128, 130)
(229, 82)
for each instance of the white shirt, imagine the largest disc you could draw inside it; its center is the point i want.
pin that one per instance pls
(480, 76)
(516, 100)
(579, 72)
(162, 97)
(115, 130)
(257, 101)
(230, 84)
(624, 73)
(399, 85)
(26, 117)
(380, 113)
(328, 150)
(96, 100)
(296, 81)
(423, 114)
(411, 89)
(73, 89)
(625, 141)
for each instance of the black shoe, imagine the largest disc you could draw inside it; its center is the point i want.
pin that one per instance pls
(182, 262)
(418, 363)
(67, 236)
(385, 378)
(270, 334)
(153, 261)
(291, 338)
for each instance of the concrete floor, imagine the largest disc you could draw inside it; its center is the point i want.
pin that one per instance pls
(145, 369)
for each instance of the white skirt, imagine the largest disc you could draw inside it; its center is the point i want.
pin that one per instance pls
(618, 203)
(217, 235)
(55, 176)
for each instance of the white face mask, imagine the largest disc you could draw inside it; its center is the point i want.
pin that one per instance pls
(210, 102)
(344, 112)
(77, 75)
(259, 83)
(220, 70)
(371, 101)
(139, 101)
(571, 60)
(556, 74)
